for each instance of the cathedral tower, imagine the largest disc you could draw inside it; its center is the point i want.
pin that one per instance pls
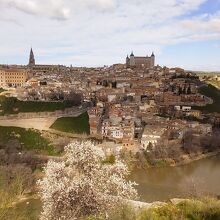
(31, 58)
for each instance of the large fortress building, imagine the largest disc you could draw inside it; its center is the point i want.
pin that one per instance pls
(140, 62)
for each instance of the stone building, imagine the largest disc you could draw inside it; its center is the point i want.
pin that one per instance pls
(13, 76)
(140, 62)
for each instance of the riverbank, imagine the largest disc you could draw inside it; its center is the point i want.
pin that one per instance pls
(189, 159)
(193, 179)
(143, 161)
(205, 208)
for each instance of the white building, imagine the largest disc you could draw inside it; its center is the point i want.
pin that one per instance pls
(151, 135)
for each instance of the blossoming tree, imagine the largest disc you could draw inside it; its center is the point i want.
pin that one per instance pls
(82, 184)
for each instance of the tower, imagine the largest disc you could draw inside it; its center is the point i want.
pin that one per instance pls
(152, 59)
(31, 58)
(127, 61)
(132, 59)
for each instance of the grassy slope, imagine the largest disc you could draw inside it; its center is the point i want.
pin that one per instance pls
(27, 210)
(9, 105)
(77, 125)
(29, 139)
(213, 93)
(205, 209)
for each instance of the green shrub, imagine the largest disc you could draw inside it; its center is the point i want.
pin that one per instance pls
(28, 138)
(213, 93)
(110, 159)
(204, 209)
(11, 105)
(125, 212)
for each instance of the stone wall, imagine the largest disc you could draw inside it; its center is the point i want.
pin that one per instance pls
(56, 114)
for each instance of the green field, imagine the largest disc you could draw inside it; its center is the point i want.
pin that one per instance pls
(28, 138)
(10, 105)
(213, 93)
(76, 125)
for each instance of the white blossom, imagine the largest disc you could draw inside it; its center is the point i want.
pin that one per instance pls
(82, 185)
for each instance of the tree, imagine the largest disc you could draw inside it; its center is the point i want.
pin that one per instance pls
(14, 182)
(82, 185)
(189, 90)
(74, 98)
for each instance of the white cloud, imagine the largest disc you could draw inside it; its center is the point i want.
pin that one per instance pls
(99, 4)
(50, 8)
(98, 32)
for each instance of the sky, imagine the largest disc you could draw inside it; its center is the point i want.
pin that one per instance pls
(181, 33)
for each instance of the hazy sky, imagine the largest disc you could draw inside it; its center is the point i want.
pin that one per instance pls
(183, 33)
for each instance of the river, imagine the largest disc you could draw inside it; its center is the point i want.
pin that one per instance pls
(161, 184)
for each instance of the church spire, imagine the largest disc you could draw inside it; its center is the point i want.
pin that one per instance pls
(31, 58)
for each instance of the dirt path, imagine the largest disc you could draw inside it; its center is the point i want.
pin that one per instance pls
(35, 123)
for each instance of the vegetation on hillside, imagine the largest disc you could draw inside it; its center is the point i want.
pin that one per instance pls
(25, 210)
(27, 139)
(190, 146)
(76, 125)
(213, 93)
(11, 105)
(15, 183)
(1, 90)
(204, 209)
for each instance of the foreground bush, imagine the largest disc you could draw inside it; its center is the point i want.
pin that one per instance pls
(82, 185)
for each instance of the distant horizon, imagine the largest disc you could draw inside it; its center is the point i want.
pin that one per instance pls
(100, 66)
(93, 33)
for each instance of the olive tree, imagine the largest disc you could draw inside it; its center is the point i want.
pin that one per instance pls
(82, 184)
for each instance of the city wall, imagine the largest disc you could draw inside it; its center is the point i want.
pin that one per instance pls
(56, 114)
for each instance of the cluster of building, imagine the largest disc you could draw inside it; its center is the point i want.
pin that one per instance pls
(17, 75)
(129, 100)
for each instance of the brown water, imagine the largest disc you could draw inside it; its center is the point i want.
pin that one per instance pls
(160, 184)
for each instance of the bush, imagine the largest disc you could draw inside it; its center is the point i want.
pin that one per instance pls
(204, 209)
(27, 139)
(81, 185)
(14, 182)
(110, 159)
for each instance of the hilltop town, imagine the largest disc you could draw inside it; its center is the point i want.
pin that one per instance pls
(137, 106)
